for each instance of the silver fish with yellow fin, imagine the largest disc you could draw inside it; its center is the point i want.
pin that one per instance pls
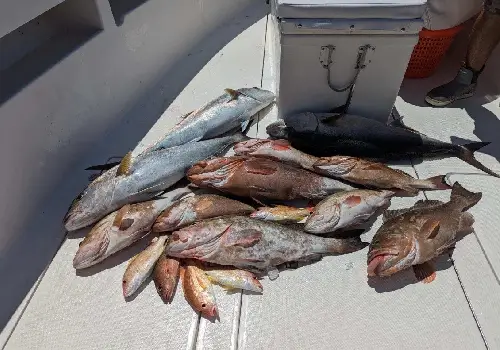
(234, 108)
(140, 180)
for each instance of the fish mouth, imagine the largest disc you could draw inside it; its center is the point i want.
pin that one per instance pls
(83, 260)
(317, 228)
(210, 311)
(323, 222)
(90, 252)
(257, 286)
(377, 261)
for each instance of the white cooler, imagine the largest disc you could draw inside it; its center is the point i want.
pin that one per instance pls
(333, 52)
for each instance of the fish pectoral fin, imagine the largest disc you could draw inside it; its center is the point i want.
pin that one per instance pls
(244, 238)
(244, 125)
(120, 221)
(125, 164)
(233, 93)
(425, 272)
(260, 166)
(126, 224)
(353, 201)
(430, 228)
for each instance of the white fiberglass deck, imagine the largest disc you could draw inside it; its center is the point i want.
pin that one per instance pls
(326, 305)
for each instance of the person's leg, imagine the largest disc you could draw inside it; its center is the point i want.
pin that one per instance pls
(484, 37)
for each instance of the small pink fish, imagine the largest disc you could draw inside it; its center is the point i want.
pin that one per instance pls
(198, 290)
(165, 277)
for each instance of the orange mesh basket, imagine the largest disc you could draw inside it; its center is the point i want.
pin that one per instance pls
(429, 51)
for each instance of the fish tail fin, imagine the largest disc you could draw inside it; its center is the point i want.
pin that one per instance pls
(466, 153)
(277, 130)
(464, 198)
(345, 245)
(432, 183)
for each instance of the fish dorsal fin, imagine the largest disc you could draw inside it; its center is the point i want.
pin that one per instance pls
(389, 214)
(331, 119)
(243, 238)
(420, 204)
(430, 228)
(125, 164)
(372, 166)
(399, 171)
(260, 166)
(381, 166)
(398, 123)
(233, 93)
(426, 203)
(186, 115)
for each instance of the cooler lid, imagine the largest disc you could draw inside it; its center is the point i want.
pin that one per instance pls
(401, 9)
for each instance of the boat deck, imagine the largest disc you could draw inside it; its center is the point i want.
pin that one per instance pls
(324, 305)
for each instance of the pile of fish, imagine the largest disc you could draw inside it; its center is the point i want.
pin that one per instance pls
(233, 222)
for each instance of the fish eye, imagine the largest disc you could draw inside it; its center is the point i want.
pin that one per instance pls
(203, 305)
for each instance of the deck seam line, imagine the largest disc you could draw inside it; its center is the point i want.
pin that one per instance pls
(192, 342)
(238, 323)
(486, 257)
(262, 70)
(469, 303)
(37, 284)
(458, 275)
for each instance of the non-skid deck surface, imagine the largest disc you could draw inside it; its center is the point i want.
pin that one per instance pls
(326, 305)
